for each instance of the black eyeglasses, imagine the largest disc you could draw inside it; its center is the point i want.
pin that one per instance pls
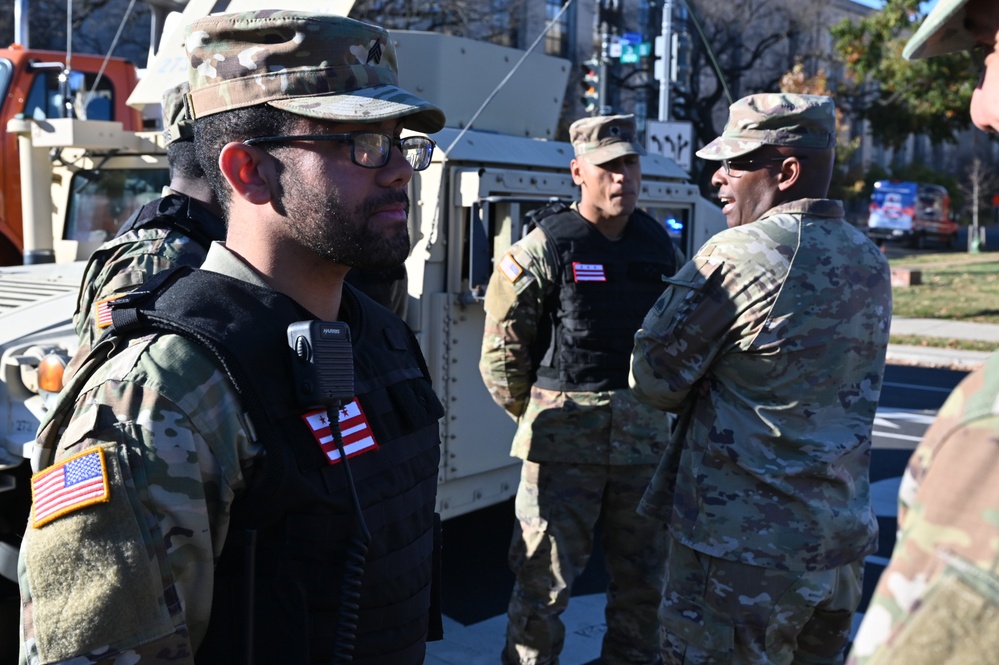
(371, 150)
(734, 168)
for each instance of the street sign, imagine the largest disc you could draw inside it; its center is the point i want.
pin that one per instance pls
(630, 43)
(673, 139)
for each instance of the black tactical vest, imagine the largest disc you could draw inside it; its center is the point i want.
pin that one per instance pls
(605, 290)
(181, 213)
(279, 593)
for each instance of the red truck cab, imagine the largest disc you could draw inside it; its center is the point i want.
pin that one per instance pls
(34, 85)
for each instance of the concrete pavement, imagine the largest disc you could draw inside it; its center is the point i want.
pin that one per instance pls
(938, 356)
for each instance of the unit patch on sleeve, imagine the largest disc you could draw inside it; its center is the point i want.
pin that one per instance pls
(357, 436)
(588, 272)
(509, 267)
(74, 483)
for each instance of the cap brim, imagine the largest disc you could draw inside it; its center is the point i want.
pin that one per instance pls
(942, 32)
(611, 152)
(384, 102)
(727, 148)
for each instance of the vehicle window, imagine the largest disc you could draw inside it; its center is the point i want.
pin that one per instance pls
(6, 70)
(48, 97)
(676, 221)
(102, 200)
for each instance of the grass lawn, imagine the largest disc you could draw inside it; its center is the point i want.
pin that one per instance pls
(955, 285)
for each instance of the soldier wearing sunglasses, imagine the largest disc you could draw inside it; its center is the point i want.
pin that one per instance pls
(770, 346)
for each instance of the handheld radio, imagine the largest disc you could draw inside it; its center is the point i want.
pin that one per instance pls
(323, 363)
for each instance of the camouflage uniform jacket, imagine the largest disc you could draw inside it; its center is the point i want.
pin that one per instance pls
(165, 417)
(603, 427)
(129, 259)
(773, 340)
(938, 599)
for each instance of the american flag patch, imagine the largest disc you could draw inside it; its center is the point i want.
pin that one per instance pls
(80, 481)
(357, 436)
(510, 268)
(103, 312)
(588, 272)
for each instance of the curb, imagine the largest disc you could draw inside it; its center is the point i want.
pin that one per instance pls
(930, 356)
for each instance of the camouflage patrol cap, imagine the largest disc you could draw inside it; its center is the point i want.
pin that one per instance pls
(784, 119)
(603, 138)
(177, 123)
(942, 32)
(314, 65)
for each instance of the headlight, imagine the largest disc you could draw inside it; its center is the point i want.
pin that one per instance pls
(50, 371)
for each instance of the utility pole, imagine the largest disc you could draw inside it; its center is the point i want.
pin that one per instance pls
(604, 107)
(666, 51)
(608, 17)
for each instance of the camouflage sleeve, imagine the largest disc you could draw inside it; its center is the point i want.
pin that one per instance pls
(942, 585)
(514, 306)
(682, 333)
(115, 270)
(126, 575)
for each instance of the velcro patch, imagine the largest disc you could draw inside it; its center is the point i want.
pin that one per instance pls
(102, 313)
(354, 428)
(74, 483)
(588, 272)
(510, 268)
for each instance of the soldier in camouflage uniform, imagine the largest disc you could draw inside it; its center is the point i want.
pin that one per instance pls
(561, 309)
(938, 600)
(186, 506)
(770, 344)
(176, 229)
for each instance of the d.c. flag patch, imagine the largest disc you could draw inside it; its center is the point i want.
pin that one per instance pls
(357, 436)
(74, 483)
(588, 272)
(509, 267)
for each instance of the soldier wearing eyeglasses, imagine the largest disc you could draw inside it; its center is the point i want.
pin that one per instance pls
(189, 506)
(562, 306)
(770, 344)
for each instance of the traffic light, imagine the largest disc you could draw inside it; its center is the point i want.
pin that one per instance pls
(591, 85)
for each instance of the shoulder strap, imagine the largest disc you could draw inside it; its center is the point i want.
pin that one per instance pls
(534, 217)
(181, 213)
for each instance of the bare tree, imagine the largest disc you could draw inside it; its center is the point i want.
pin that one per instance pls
(94, 24)
(978, 187)
(752, 44)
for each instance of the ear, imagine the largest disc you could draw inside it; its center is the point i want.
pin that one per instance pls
(790, 173)
(249, 171)
(576, 171)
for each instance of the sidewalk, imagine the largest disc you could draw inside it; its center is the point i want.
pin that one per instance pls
(937, 356)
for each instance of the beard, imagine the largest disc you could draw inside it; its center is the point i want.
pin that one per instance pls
(322, 222)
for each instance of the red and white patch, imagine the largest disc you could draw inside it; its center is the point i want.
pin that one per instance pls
(74, 483)
(102, 312)
(588, 272)
(354, 428)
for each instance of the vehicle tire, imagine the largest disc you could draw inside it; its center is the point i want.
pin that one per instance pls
(920, 241)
